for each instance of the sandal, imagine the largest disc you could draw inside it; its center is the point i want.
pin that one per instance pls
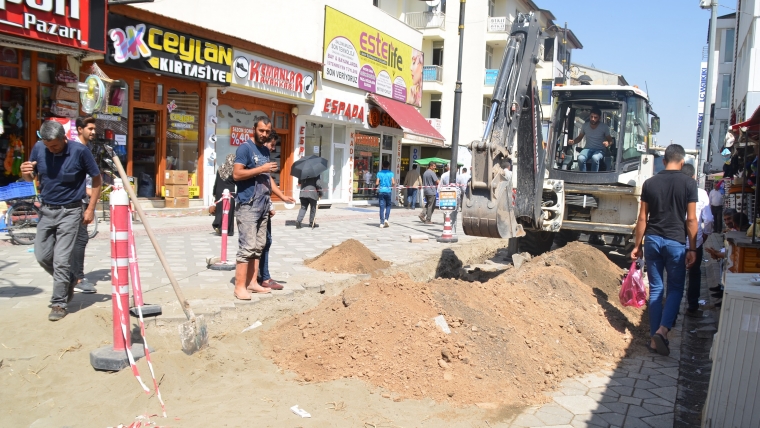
(662, 344)
(651, 350)
(247, 297)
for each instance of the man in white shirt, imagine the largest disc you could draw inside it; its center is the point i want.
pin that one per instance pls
(704, 227)
(716, 206)
(463, 179)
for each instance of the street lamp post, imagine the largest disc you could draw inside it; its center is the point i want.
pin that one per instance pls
(457, 99)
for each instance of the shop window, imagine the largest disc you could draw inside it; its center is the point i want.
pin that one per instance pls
(366, 165)
(14, 103)
(387, 142)
(281, 120)
(9, 63)
(234, 127)
(46, 79)
(182, 133)
(435, 106)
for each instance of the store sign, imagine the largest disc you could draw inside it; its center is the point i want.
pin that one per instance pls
(77, 24)
(362, 57)
(344, 109)
(239, 135)
(262, 74)
(701, 103)
(378, 117)
(147, 47)
(497, 24)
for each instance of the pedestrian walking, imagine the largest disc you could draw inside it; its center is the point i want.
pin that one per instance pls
(666, 200)
(430, 184)
(61, 167)
(265, 278)
(223, 181)
(704, 228)
(412, 182)
(311, 191)
(716, 206)
(255, 185)
(385, 182)
(86, 130)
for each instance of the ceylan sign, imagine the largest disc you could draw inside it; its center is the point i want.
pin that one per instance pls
(266, 75)
(77, 24)
(360, 56)
(147, 47)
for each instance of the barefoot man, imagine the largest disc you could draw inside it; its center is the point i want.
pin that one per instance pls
(251, 172)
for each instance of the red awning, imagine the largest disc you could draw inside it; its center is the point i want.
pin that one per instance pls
(753, 124)
(417, 130)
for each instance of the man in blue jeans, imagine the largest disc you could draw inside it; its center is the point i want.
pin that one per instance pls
(598, 138)
(666, 200)
(385, 183)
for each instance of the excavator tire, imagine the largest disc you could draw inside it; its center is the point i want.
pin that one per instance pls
(536, 242)
(565, 237)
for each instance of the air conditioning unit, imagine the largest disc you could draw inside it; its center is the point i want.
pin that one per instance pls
(733, 397)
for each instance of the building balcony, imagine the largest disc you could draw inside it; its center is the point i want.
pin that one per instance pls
(491, 75)
(432, 73)
(425, 20)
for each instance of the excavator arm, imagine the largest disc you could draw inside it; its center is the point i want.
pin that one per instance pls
(492, 206)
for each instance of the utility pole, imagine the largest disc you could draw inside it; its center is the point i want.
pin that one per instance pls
(457, 100)
(706, 117)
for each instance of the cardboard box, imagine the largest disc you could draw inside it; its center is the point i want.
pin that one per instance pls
(175, 177)
(176, 190)
(194, 191)
(178, 202)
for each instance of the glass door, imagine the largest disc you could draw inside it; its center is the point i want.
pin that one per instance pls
(146, 127)
(338, 161)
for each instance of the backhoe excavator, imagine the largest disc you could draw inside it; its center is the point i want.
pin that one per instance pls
(551, 196)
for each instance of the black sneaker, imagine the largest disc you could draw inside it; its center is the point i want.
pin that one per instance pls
(57, 313)
(694, 313)
(298, 225)
(718, 287)
(85, 287)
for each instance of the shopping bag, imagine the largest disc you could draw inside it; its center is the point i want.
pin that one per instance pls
(633, 293)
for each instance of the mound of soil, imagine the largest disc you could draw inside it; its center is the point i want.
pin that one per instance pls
(350, 256)
(512, 338)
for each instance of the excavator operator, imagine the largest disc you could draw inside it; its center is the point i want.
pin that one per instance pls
(598, 139)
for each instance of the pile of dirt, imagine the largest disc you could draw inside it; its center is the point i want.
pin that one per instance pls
(512, 338)
(350, 256)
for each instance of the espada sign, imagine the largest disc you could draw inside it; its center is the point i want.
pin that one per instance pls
(155, 49)
(78, 24)
(263, 74)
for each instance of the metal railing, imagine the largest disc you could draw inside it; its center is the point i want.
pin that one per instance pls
(421, 20)
(432, 73)
(491, 75)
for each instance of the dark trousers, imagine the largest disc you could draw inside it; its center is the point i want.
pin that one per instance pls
(217, 223)
(77, 253)
(429, 207)
(305, 204)
(717, 212)
(264, 261)
(695, 282)
(56, 233)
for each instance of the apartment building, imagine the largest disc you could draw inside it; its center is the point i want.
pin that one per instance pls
(487, 25)
(579, 74)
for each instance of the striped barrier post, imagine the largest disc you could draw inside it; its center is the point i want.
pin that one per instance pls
(223, 263)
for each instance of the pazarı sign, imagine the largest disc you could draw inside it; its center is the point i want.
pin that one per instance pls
(261, 74)
(78, 24)
(701, 102)
(147, 47)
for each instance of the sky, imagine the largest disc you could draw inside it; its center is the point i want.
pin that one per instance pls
(652, 43)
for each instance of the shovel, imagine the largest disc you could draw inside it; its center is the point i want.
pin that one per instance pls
(194, 332)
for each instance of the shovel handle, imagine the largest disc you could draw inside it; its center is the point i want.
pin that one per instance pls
(131, 192)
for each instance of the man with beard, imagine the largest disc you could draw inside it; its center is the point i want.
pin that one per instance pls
(86, 130)
(598, 138)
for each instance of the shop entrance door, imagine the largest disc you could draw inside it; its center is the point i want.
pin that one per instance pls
(146, 150)
(337, 182)
(14, 102)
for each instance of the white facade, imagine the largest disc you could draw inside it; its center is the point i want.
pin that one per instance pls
(485, 38)
(746, 82)
(296, 27)
(721, 91)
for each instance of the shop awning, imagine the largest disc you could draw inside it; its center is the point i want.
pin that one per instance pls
(440, 161)
(753, 124)
(416, 128)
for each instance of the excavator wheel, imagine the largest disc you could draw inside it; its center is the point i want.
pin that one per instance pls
(536, 242)
(565, 237)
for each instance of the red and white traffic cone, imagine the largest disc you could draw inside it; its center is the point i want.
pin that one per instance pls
(447, 236)
(120, 355)
(223, 264)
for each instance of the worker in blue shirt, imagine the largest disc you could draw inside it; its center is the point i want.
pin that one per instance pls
(61, 167)
(385, 183)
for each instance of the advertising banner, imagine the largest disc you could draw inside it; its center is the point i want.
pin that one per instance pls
(262, 74)
(360, 56)
(78, 24)
(147, 47)
(701, 102)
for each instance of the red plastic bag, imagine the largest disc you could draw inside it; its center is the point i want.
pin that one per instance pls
(633, 293)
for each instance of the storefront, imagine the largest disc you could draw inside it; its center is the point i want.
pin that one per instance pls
(38, 69)
(260, 87)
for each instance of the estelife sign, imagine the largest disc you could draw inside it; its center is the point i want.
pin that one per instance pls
(78, 24)
(147, 47)
(263, 74)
